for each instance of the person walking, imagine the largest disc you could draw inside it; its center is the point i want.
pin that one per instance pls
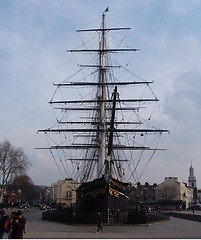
(99, 221)
(5, 226)
(117, 215)
(112, 216)
(18, 226)
(2, 213)
(22, 220)
(193, 209)
(12, 217)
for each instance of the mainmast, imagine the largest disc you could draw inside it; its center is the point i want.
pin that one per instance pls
(102, 126)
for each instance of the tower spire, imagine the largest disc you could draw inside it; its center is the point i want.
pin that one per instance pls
(191, 178)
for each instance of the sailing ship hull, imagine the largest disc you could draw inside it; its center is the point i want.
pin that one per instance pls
(101, 195)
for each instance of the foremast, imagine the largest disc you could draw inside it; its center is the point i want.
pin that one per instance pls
(108, 162)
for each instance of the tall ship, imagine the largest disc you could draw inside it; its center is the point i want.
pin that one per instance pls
(103, 137)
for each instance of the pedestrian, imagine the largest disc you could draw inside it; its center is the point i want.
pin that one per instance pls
(99, 221)
(138, 208)
(5, 226)
(117, 215)
(16, 228)
(18, 225)
(73, 217)
(13, 215)
(2, 213)
(112, 216)
(193, 209)
(23, 222)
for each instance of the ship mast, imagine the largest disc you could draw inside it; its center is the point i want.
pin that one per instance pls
(98, 153)
(111, 132)
(102, 126)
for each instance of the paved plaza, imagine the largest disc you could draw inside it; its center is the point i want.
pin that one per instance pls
(173, 228)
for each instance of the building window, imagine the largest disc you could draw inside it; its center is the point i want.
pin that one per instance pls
(68, 194)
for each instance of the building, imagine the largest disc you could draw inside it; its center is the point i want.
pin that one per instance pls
(171, 190)
(63, 193)
(145, 194)
(192, 179)
(10, 199)
(193, 184)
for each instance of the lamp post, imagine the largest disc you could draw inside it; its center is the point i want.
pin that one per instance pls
(19, 196)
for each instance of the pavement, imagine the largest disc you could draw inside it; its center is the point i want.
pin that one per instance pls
(173, 228)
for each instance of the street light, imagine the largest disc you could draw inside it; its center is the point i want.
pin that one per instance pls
(19, 196)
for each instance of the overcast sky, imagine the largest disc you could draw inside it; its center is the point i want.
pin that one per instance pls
(34, 36)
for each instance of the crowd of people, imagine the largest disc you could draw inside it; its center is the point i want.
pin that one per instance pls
(12, 226)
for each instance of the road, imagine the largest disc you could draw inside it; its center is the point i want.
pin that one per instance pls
(173, 228)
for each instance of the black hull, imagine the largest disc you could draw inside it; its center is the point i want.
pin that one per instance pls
(101, 196)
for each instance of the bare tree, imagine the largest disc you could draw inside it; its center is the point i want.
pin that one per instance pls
(13, 161)
(167, 192)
